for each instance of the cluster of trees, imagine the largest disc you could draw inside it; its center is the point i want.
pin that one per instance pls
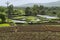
(41, 10)
(2, 14)
(28, 11)
(35, 10)
(5, 12)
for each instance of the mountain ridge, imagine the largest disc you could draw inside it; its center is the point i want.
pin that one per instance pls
(51, 4)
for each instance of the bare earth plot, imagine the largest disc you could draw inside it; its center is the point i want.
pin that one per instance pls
(30, 32)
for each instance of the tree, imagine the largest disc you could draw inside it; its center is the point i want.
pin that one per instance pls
(28, 11)
(35, 7)
(2, 9)
(54, 13)
(35, 10)
(58, 15)
(41, 7)
(42, 12)
(10, 11)
(2, 16)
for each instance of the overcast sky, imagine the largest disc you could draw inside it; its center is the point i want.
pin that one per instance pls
(21, 2)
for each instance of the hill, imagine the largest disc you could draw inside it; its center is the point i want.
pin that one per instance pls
(51, 4)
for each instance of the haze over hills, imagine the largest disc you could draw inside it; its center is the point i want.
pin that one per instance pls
(57, 4)
(51, 4)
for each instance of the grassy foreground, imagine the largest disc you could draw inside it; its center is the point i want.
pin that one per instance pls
(4, 25)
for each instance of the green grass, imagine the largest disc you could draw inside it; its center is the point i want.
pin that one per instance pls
(4, 25)
(20, 17)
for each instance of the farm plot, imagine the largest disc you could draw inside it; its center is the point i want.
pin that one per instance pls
(32, 32)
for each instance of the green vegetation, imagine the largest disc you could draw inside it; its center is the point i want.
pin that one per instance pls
(31, 19)
(4, 25)
(19, 17)
(2, 17)
(28, 14)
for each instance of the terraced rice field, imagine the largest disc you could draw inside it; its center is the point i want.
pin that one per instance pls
(31, 32)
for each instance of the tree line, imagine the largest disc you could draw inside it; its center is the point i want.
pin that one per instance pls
(7, 12)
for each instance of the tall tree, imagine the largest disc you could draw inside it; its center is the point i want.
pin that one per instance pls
(28, 11)
(35, 7)
(10, 11)
(35, 10)
(41, 7)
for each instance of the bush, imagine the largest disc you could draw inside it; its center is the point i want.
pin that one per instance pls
(3, 18)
